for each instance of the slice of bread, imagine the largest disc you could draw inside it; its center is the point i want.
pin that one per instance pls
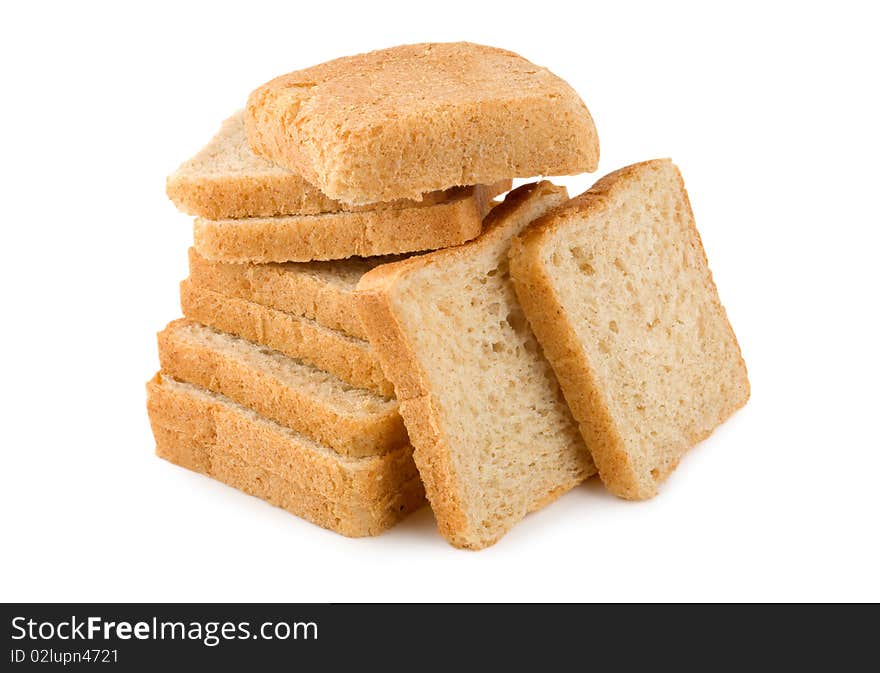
(492, 435)
(211, 434)
(227, 180)
(352, 421)
(399, 122)
(618, 290)
(342, 234)
(346, 357)
(322, 291)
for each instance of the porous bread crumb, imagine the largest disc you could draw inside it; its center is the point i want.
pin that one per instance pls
(617, 287)
(492, 435)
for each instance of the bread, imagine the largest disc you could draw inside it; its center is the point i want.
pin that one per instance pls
(227, 180)
(346, 357)
(351, 421)
(209, 433)
(617, 288)
(399, 122)
(492, 436)
(321, 291)
(342, 234)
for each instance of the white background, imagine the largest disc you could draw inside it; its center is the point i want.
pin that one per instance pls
(770, 110)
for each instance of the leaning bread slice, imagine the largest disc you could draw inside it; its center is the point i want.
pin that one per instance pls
(227, 180)
(493, 438)
(342, 234)
(344, 356)
(399, 122)
(352, 421)
(618, 290)
(211, 434)
(322, 291)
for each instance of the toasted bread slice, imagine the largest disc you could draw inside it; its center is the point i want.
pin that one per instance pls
(492, 435)
(399, 122)
(342, 234)
(321, 291)
(352, 421)
(344, 356)
(618, 290)
(227, 180)
(211, 434)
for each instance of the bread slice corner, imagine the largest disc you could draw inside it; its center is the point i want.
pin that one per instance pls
(226, 180)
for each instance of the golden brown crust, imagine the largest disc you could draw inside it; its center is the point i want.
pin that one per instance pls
(352, 360)
(424, 115)
(208, 434)
(343, 234)
(418, 406)
(237, 196)
(284, 287)
(226, 180)
(547, 317)
(188, 359)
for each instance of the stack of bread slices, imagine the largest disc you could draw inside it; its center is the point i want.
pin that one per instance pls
(364, 326)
